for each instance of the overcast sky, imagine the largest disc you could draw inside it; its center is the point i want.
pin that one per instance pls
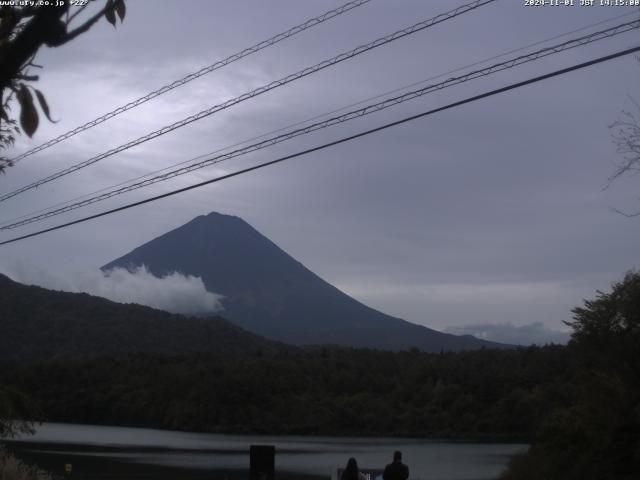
(494, 213)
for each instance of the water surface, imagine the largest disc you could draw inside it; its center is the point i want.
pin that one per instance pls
(98, 452)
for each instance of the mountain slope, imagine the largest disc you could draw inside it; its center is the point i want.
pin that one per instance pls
(36, 323)
(271, 294)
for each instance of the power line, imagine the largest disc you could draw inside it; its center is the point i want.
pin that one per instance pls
(512, 86)
(389, 102)
(192, 76)
(258, 91)
(322, 115)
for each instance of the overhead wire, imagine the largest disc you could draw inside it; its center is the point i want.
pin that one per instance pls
(315, 117)
(389, 102)
(258, 91)
(474, 98)
(312, 22)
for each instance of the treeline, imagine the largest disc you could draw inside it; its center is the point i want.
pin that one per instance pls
(486, 393)
(579, 405)
(596, 435)
(40, 324)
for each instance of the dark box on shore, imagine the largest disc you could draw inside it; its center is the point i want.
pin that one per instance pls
(262, 461)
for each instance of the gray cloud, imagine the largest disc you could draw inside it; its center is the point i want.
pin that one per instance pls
(493, 212)
(530, 334)
(174, 293)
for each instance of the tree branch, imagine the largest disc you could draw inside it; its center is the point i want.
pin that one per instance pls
(28, 78)
(87, 24)
(41, 28)
(78, 12)
(625, 214)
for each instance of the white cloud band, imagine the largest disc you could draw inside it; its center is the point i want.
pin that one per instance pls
(175, 292)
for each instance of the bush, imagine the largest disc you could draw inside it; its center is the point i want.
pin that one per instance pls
(13, 469)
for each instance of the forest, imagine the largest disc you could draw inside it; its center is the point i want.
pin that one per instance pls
(578, 405)
(330, 391)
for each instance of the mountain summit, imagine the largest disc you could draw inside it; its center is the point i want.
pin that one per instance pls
(269, 293)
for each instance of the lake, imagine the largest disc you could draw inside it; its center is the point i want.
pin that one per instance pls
(107, 453)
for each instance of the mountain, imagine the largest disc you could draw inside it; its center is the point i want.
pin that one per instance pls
(37, 323)
(269, 293)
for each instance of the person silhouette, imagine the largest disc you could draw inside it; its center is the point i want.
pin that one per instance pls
(396, 470)
(351, 471)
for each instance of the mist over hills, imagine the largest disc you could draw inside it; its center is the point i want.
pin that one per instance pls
(37, 323)
(271, 294)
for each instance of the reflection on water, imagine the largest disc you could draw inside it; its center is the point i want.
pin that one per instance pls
(114, 452)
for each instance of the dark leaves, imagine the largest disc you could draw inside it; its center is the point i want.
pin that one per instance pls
(28, 112)
(121, 9)
(43, 105)
(115, 7)
(110, 15)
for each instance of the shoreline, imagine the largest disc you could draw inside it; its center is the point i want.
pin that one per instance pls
(479, 438)
(97, 467)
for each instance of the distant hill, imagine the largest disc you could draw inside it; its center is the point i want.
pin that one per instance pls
(36, 323)
(269, 293)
